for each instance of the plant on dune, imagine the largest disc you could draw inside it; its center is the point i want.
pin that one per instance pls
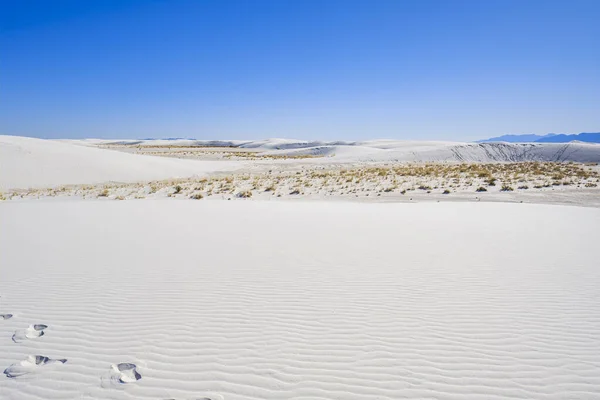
(481, 189)
(244, 194)
(103, 193)
(197, 196)
(446, 191)
(506, 188)
(177, 189)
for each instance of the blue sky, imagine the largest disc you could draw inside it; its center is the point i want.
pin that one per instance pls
(326, 69)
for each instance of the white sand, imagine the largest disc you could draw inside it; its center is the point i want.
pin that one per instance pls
(35, 163)
(28, 163)
(263, 300)
(387, 150)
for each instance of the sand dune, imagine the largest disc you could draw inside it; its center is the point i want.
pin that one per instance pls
(259, 300)
(451, 152)
(28, 162)
(395, 150)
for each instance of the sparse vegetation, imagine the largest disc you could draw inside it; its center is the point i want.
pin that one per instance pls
(245, 194)
(356, 181)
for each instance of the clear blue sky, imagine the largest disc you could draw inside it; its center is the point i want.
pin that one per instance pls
(422, 69)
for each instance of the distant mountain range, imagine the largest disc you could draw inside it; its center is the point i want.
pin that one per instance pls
(593, 137)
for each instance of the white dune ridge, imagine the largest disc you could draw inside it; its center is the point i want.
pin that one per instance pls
(35, 163)
(28, 162)
(259, 300)
(393, 150)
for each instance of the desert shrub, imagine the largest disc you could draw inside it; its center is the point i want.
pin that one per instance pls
(506, 188)
(590, 185)
(423, 187)
(244, 194)
(446, 191)
(177, 189)
(481, 189)
(403, 191)
(197, 196)
(104, 193)
(270, 188)
(295, 191)
(491, 181)
(524, 187)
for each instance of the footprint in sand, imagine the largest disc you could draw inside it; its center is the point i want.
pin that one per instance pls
(29, 365)
(121, 374)
(32, 332)
(5, 316)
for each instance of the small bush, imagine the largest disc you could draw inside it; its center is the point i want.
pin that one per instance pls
(481, 189)
(524, 187)
(423, 187)
(590, 185)
(177, 189)
(446, 191)
(244, 194)
(104, 193)
(295, 191)
(506, 188)
(197, 196)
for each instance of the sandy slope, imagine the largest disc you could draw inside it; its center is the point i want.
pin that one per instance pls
(260, 300)
(28, 162)
(386, 150)
(410, 151)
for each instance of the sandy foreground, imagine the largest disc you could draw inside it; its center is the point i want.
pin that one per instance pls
(298, 300)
